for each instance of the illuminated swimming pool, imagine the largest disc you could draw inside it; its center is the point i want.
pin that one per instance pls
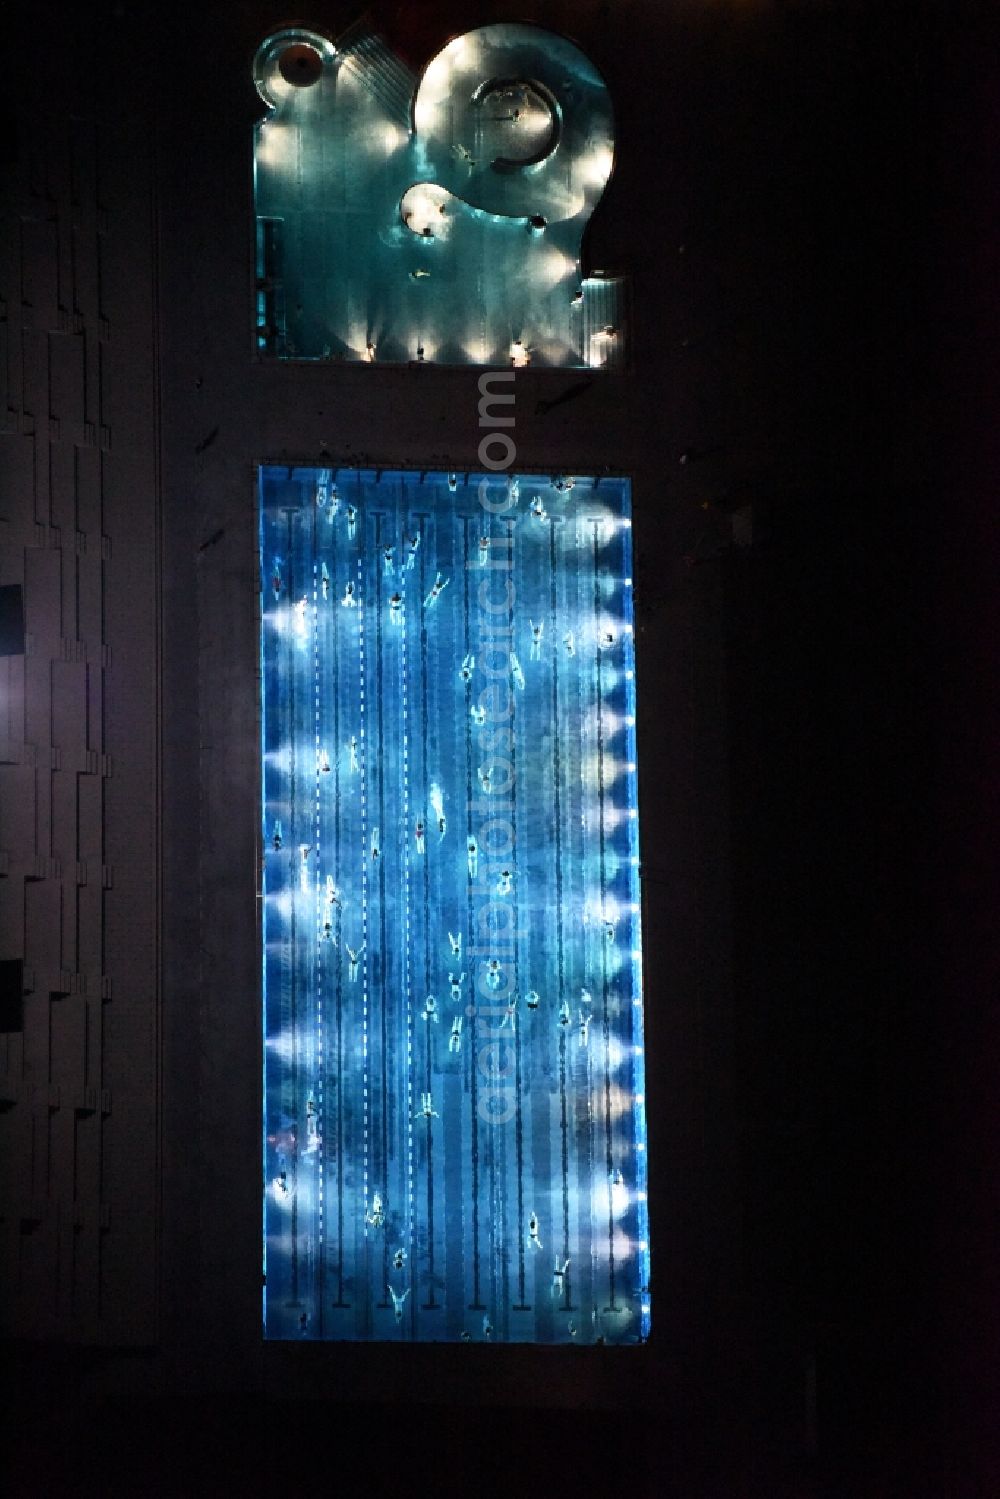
(437, 218)
(454, 1131)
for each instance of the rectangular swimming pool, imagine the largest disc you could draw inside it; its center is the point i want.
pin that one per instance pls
(454, 1122)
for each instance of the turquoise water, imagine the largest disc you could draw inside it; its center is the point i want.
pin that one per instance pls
(437, 218)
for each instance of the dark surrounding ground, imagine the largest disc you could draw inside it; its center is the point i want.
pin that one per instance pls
(838, 202)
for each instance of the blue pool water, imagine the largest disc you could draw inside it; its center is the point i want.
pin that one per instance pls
(454, 1131)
